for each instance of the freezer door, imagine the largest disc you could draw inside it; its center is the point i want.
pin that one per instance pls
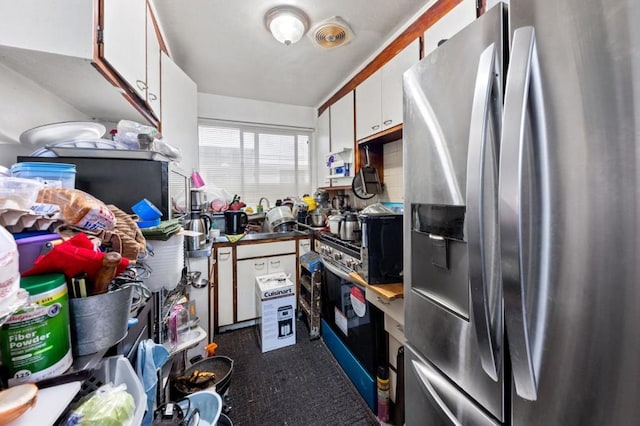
(453, 292)
(431, 399)
(570, 222)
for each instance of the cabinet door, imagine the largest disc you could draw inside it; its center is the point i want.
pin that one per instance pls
(392, 84)
(224, 257)
(153, 66)
(286, 264)
(179, 111)
(124, 41)
(342, 130)
(369, 105)
(323, 146)
(457, 18)
(247, 271)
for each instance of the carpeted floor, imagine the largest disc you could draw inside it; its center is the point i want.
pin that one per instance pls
(297, 385)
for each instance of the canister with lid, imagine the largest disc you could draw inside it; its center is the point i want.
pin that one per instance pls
(35, 342)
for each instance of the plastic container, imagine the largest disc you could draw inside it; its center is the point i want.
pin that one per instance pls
(166, 263)
(18, 193)
(208, 403)
(31, 247)
(146, 210)
(99, 322)
(118, 370)
(35, 342)
(57, 175)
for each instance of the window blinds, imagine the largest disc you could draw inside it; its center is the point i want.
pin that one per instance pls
(254, 161)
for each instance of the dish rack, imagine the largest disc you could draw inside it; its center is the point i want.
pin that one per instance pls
(309, 297)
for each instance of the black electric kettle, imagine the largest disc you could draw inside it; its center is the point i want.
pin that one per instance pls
(235, 222)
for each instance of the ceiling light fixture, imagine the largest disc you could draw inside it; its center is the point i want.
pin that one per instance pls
(286, 23)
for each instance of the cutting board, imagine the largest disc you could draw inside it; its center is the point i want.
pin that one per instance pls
(50, 404)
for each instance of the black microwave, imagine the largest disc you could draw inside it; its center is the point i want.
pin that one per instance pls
(381, 250)
(125, 181)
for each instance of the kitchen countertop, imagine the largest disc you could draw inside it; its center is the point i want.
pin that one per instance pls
(263, 237)
(388, 292)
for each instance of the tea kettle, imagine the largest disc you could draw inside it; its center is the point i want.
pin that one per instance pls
(350, 228)
(198, 222)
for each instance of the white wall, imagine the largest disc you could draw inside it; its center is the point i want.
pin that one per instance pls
(24, 105)
(253, 111)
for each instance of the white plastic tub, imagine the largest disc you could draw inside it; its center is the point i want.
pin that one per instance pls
(118, 370)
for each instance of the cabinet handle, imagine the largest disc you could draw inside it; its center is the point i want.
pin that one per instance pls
(224, 256)
(381, 300)
(258, 265)
(152, 97)
(141, 85)
(376, 127)
(387, 122)
(400, 328)
(275, 263)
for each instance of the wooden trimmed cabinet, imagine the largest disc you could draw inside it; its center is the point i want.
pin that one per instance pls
(101, 56)
(235, 272)
(379, 97)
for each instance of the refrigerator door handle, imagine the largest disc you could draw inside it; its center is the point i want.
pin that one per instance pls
(446, 396)
(513, 238)
(486, 101)
(432, 394)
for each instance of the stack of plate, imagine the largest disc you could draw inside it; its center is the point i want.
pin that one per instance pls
(69, 134)
(166, 263)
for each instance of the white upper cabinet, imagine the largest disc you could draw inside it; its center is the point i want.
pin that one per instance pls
(179, 112)
(342, 132)
(449, 25)
(153, 67)
(392, 83)
(342, 123)
(323, 146)
(379, 97)
(369, 105)
(124, 33)
(56, 44)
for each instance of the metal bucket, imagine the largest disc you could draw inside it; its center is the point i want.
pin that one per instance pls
(99, 322)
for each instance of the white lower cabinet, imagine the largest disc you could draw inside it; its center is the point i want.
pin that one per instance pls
(224, 282)
(248, 270)
(237, 269)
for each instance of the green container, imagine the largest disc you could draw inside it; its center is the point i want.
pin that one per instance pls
(35, 342)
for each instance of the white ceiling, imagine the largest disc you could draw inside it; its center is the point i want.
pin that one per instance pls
(224, 46)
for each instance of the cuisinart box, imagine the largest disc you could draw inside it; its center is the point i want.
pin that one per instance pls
(276, 302)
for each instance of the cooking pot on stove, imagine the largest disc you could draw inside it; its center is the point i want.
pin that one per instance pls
(280, 218)
(335, 221)
(316, 218)
(350, 228)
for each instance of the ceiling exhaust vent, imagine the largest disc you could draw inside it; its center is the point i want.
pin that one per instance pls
(332, 32)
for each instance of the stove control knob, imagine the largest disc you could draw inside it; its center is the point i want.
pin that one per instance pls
(337, 256)
(351, 263)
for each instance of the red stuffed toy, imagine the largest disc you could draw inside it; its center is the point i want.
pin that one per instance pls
(72, 257)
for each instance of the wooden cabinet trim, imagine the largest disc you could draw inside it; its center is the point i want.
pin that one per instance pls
(413, 31)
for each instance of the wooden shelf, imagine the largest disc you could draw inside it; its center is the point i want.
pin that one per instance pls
(389, 135)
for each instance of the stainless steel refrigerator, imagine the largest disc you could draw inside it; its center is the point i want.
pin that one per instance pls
(522, 219)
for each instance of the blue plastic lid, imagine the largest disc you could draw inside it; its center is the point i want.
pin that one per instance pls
(58, 167)
(148, 223)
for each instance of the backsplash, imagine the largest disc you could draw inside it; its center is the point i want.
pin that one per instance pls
(393, 178)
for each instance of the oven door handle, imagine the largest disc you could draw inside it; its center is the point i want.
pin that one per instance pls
(339, 272)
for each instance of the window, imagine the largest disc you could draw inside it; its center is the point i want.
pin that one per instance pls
(255, 161)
